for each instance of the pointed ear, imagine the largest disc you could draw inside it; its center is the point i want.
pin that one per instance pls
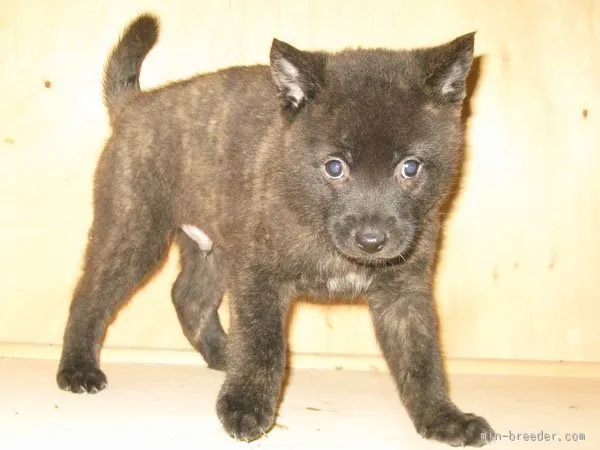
(446, 67)
(298, 75)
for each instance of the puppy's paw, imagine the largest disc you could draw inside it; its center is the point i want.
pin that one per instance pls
(81, 379)
(215, 360)
(458, 429)
(213, 352)
(244, 416)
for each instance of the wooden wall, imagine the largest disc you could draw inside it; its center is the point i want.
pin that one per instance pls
(519, 276)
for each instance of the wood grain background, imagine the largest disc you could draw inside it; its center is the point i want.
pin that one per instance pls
(519, 274)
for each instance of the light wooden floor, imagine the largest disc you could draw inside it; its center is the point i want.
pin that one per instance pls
(168, 406)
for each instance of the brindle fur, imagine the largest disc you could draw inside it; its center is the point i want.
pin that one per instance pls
(239, 154)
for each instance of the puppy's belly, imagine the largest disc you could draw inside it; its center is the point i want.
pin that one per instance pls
(349, 284)
(204, 242)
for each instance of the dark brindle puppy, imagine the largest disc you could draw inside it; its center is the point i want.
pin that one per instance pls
(323, 174)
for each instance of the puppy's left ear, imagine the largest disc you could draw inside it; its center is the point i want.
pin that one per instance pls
(445, 68)
(298, 75)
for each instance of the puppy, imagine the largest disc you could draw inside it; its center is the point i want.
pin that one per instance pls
(321, 174)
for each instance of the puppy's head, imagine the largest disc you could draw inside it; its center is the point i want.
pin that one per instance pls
(372, 141)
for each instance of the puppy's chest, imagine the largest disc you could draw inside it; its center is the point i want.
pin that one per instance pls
(345, 284)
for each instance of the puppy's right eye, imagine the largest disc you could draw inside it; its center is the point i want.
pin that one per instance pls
(336, 169)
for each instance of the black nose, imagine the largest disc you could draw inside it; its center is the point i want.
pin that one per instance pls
(370, 240)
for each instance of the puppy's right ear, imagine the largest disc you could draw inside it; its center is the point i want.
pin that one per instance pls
(298, 75)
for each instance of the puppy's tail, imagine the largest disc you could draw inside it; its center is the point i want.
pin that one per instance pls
(122, 70)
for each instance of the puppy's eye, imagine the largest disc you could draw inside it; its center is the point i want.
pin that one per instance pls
(410, 168)
(336, 169)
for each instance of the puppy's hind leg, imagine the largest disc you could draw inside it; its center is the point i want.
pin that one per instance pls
(196, 294)
(125, 245)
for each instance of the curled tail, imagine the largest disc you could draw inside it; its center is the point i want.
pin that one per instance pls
(122, 70)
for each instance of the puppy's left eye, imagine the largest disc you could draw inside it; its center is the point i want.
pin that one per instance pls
(336, 169)
(410, 168)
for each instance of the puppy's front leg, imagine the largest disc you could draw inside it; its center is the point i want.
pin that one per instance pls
(407, 330)
(248, 399)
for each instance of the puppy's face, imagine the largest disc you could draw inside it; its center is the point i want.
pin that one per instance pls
(373, 169)
(372, 153)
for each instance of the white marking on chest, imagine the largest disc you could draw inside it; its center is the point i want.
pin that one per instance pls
(199, 237)
(351, 283)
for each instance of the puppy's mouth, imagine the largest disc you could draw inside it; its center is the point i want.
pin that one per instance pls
(386, 257)
(377, 262)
